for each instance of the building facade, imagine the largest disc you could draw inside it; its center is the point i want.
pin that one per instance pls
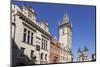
(65, 38)
(54, 51)
(30, 38)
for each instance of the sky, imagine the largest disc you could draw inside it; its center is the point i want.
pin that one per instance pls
(82, 19)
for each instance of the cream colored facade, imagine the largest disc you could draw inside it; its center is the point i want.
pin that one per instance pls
(35, 34)
(65, 38)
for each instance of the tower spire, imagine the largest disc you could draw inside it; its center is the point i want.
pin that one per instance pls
(59, 23)
(65, 18)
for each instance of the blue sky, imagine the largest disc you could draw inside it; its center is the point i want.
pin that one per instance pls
(81, 17)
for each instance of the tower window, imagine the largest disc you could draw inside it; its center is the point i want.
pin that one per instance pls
(63, 30)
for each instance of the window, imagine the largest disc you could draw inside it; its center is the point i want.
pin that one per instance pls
(32, 53)
(22, 51)
(41, 55)
(28, 38)
(31, 38)
(46, 45)
(42, 44)
(45, 56)
(55, 59)
(63, 30)
(24, 35)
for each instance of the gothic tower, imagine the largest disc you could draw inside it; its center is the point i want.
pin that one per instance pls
(65, 37)
(65, 33)
(85, 52)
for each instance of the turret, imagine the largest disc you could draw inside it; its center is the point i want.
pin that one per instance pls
(29, 12)
(85, 51)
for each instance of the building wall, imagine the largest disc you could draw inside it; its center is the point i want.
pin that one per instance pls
(37, 37)
(65, 38)
(63, 55)
(54, 52)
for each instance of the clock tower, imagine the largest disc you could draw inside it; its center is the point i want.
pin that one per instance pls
(65, 33)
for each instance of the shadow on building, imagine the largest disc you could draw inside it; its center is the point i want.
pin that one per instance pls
(20, 59)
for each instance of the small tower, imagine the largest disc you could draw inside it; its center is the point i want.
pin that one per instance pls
(85, 52)
(82, 55)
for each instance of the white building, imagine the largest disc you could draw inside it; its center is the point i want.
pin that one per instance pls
(29, 37)
(65, 38)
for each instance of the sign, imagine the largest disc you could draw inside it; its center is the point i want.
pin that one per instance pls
(37, 47)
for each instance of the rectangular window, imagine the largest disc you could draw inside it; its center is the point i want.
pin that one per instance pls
(32, 53)
(46, 45)
(42, 44)
(24, 35)
(31, 38)
(28, 38)
(41, 55)
(63, 30)
(45, 56)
